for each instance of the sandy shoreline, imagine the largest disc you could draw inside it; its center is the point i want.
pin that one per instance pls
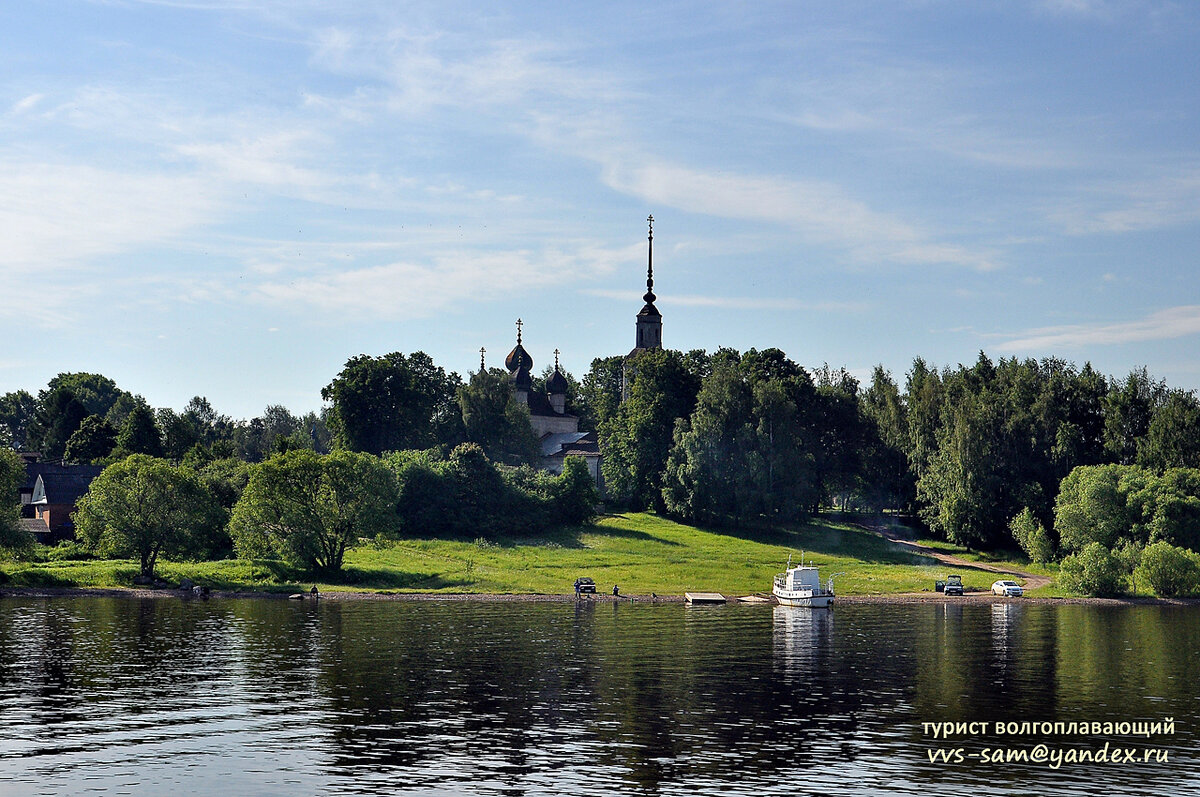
(901, 598)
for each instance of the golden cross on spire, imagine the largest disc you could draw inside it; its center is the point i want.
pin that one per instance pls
(650, 262)
(519, 324)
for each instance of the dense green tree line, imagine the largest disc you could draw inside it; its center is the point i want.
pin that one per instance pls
(756, 437)
(981, 454)
(83, 418)
(308, 508)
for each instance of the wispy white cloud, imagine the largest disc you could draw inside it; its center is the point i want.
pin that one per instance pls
(428, 70)
(1099, 10)
(821, 211)
(1174, 322)
(53, 216)
(269, 160)
(448, 281)
(26, 103)
(1169, 199)
(538, 91)
(921, 107)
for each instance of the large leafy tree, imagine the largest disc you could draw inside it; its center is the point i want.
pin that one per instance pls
(276, 429)
(140, 434)
(574, 493)
(836, 432)
(94, 439)
(179, 434)
(973, 483)
(210, 426)
(1173, 435)
(886, 480)
(122, 407)
(1093, 506)
(714, 464)
(197, 424)
(924, 398)
(746, 452)
(96, 392)
(315, 425)
(308, 508)
(392, 403)
(637, 438)
(482, 498)
(17, 411)
(427, 503)
(991, 440)
(494, 420)
(59, 416)
(1129, 407)
(12, 476)
(600, 391)
(145, 507)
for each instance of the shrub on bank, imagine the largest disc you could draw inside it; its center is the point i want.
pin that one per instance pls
(1094, 571)
(1031, 535)
(469, 495)
(1172, 572)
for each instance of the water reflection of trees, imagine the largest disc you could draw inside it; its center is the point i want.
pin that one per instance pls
(85, 674)
(410, 683)
(660, 695)
(656, 697)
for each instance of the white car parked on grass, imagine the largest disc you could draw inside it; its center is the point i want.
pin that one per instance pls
(1008, 589)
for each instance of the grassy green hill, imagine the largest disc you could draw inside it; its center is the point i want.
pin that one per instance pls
(640, 552)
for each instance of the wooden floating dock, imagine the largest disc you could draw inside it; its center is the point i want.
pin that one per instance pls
(704, 597)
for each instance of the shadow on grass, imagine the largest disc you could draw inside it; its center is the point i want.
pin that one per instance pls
(379, 578)
(827, 536)
(269, 575)
(567, 537)
(38, 578)
(625, 533)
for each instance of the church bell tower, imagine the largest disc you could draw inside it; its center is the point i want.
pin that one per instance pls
(649, 320)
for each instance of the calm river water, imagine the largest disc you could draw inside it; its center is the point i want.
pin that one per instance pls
(121, 696)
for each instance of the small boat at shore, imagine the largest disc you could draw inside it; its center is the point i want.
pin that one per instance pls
(801, 586)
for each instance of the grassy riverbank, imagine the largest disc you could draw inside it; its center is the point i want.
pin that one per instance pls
(642, 553)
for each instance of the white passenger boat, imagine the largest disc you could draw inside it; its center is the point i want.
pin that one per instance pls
(801, 586)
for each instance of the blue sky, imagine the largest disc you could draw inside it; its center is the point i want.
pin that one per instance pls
(232, 197)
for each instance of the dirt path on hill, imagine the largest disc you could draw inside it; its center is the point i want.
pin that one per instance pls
(892, 535)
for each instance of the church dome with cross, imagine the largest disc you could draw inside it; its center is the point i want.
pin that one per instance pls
(518, 358)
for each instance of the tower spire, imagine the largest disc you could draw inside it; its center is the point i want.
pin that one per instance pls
(481, 366)
(519, 323)
(556, 352)
(649, 297)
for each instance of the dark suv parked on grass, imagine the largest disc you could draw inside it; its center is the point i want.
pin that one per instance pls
(585, 585)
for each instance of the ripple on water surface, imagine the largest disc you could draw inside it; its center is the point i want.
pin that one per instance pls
(119, 696)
